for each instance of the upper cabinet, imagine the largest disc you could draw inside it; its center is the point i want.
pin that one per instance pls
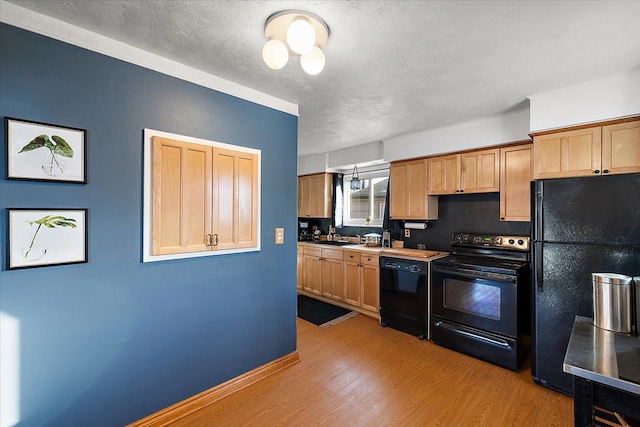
(444, 174)
(408, 191)
(315, 195)
(515, 183)
(480, 171)
(621, 148)
(472, 172)
(598, 150)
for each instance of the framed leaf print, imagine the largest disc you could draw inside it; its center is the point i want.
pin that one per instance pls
(45, 152)
(46, 237)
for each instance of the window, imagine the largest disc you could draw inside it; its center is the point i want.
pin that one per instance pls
(365, 207)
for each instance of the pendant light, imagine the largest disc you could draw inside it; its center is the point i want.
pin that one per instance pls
(356, 184)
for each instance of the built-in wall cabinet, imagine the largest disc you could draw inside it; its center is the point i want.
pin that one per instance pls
(408, 185)
(315, 195)
(597, 150)
(470, 172)
(204, 198)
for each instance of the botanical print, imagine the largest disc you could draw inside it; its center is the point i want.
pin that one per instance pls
(46, 237)
(58, 147)
(45, 152)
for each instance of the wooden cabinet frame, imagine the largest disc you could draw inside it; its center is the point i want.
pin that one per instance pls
(211, 198)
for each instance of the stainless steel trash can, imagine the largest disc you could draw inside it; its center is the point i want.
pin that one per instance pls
(612, 306)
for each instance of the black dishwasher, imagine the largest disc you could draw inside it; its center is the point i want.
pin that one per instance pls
(404, 295)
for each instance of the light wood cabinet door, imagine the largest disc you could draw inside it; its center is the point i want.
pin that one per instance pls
(408, 197)
(300, 268)
(315, 195)
(182, 200)
(303, 196)
(352, 273)
(444, 175)
(333, 278)
(480, 171)
(567, 154)
(235, 199)
(313, 274)
(370, 282)
(515, 183)
(398, 194)
(621, 148)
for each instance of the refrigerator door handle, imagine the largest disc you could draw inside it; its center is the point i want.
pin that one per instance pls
(537, 263)
(536, 208)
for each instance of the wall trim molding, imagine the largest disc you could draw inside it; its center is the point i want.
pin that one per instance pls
(190, 405)
(29, 20)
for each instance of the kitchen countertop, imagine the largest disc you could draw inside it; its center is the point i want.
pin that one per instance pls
(348, 247)
(413, 254)
(603, 356)
(404, 253)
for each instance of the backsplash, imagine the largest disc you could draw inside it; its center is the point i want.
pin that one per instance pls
(475, 213)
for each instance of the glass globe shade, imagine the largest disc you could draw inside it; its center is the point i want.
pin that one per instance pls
(313, 62)
(300, 35)
(275, 54)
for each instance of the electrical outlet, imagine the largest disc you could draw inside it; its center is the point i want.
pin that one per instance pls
(279, 236)
(407, 232)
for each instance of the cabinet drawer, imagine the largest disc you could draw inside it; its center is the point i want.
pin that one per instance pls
(332, 254)
(351, 256)
(312, 251)
(369, 259)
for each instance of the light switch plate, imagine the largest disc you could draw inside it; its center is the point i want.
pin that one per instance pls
(407, 232)
(279, 236)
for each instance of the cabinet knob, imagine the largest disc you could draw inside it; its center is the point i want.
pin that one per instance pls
(605, 171)
(462, 191)
(501, 218)
(596, 171)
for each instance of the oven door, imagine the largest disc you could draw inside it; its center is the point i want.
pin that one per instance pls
(482, 300)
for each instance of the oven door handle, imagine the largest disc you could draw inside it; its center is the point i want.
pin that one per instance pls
(472, 274)
(474, 335)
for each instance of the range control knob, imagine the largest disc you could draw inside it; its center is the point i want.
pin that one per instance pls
(511, 241)
(414, 268)
(521, 242)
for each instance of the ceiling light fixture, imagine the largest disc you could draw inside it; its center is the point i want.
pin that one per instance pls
(295, 32)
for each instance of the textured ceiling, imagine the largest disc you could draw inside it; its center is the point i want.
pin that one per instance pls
(393, 67)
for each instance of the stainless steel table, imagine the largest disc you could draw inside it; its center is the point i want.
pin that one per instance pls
(606, 373)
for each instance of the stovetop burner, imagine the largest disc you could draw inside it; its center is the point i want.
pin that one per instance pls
(489, 253)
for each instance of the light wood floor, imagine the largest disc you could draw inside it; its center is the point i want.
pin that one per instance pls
(357, 373)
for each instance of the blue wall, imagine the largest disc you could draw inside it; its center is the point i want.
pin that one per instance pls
(113, 340)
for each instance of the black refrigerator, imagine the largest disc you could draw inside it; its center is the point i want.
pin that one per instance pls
(579, 226)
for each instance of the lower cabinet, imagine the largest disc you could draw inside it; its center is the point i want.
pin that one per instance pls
(300, 264)
(352, 280)
(349, 276)
(312, 264)
(370, 282)
(332, 277)
(362, 280)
